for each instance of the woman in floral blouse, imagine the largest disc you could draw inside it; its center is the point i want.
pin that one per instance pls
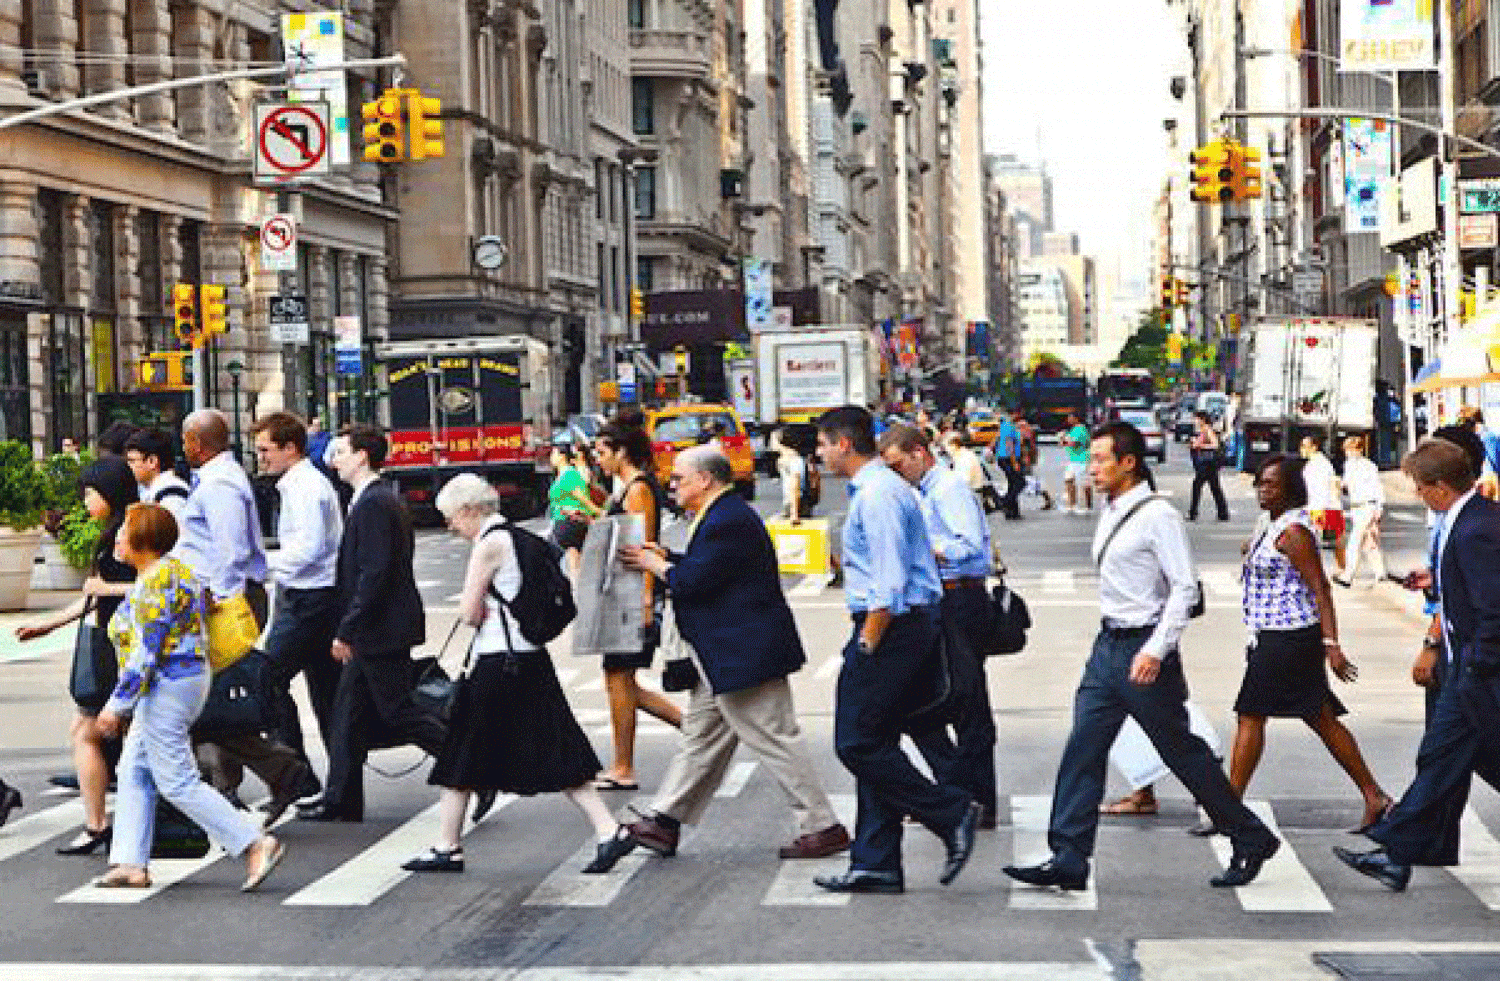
(161, 636)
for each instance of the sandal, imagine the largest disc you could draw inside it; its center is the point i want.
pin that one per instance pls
(1368, 826)
(610, 783)
(268, 863)
(88, 841)
(1130, 807)
(121, 878)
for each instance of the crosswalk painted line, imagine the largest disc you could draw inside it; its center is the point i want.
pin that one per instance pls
(738, 776)
(1478, 865)
(1221, 582)
(1058, 581)
(1284, 884)
(830, 668)
(165, 873)
(28, 832)
(794, 886)
(862, 971)
(810, 586)
(377, 870)
(569, 886)
(1029, 818)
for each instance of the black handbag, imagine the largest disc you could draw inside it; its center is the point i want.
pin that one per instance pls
(436, 692)
(95, 670)
(1011, 618)
(236, 699)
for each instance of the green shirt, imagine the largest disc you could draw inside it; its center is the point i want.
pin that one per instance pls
(561, 497)
(1078, 444)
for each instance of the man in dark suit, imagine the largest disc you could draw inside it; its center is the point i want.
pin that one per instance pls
(726, 595)
(381, 619)
(1463, 732)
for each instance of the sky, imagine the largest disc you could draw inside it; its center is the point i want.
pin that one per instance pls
(1091, 77)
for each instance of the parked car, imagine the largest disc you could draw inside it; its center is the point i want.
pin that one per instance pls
(1214, 403)
(1145, 421)
(678, 427)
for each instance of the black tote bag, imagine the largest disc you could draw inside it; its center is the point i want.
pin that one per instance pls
(95, 670)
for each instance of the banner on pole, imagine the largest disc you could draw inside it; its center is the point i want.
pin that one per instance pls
(311, 42)
(1387, 35)
(1367, 168)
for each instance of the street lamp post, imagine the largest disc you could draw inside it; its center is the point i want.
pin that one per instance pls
(235, 369)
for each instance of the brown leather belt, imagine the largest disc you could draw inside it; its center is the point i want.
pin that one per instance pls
(960, 583)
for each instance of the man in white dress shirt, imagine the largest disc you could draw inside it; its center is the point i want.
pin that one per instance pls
(1147, 586)
(308, 527)
(150, 454)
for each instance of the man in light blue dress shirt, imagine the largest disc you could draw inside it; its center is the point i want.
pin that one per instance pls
(1007, 451)
(892, 587)
(961, 543)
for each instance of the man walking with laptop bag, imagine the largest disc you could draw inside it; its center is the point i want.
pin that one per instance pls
(1147, 588)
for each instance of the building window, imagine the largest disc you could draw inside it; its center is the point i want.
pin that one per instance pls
(616, 300)
(15, 396)
(600, 188)
(645, 273)
(645, 193)
(101, 232)
(642, 106)
(636, 11)
(603, 292)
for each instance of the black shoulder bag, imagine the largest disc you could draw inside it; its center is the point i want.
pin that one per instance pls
(95, 670)
(1198, 608)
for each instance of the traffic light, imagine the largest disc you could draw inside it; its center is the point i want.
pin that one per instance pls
(383, 139)
(1245, 162)
(637, 304)
(1183, 291)
(1168, 292)
(1213, 172)
(425, 127)
(166, 371)
(185, 313)
(215, 310)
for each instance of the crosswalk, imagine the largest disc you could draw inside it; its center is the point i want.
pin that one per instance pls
(1289, 884)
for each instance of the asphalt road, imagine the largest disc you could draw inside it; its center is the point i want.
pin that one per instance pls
(725, 907)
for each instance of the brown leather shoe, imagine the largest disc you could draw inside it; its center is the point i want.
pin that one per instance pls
(653, 835)
(819, 844)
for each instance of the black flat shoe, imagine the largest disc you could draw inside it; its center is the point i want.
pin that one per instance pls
(10, 800)
(1204, 829)
(610, 852)
(88, 841)
(437, 860)
(1378, 866)
(961, 843)
(861, 880)
(1244, 867)
(483, 801)
(1050, 875)
(322, 812)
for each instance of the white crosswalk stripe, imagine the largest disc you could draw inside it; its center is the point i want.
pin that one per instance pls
(810, 586)
(28, 832)
(569, 886)
(1478, 865)
(794, 886)
(869, 971)
(377, 870)
(1029, 816)
(830, 668)
(1284, 884)
(1058, 581)
(738, 776)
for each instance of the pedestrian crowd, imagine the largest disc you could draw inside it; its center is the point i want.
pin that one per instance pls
(177, 599)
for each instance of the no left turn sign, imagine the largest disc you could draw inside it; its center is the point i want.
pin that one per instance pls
(278, 243)
(291, 141)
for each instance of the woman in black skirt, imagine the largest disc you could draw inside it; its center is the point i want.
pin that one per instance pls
(1288, 608)
(512, 729)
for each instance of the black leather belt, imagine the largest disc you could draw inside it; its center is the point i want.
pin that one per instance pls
(1117, 631)
(962, 582)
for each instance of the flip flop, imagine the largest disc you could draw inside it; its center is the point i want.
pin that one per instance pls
(1128, 807)
(112, 881)
(253, 881)
(610, 783)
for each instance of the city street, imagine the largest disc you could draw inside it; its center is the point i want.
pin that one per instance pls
(725, 907)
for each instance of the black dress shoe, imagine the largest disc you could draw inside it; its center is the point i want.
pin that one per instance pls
(289, 793)
(862, 880)
(1244, 867)
(961, 843)
(319, 811)
(483, 801)
(1378, 866)
(88, 841)
(10, 800)
(610, 852)
(1051, 874)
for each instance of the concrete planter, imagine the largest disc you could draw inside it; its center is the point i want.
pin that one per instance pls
(17, 556)
(53, 572)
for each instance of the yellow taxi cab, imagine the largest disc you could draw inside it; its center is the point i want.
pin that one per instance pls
(983, 430)
(678, 427)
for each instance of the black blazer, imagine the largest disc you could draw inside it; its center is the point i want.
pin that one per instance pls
(1469, 582)
(726, 593)
(380, 609)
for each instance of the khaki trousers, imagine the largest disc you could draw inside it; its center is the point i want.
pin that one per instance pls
(763, 719)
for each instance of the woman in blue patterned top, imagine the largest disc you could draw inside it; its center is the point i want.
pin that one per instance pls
(161, 635)
(1288, 609)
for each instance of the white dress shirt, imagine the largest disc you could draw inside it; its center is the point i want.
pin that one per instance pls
(1318, 474)
(1362, 480)
(1147, 578)
(166, 481)
(308, 528)
(1449, 518)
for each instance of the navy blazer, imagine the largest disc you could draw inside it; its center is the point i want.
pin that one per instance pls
(726, 593)
(381, 611)
(1469, 581)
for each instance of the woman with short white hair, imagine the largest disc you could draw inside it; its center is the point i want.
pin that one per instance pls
(511, 729)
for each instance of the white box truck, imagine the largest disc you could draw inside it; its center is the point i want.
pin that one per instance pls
(803, 372)
(1303, 375)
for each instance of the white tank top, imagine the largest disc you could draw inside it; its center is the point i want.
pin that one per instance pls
(507, 581)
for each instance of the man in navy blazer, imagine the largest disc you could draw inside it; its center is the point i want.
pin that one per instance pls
(726, 595)
(1464, 730)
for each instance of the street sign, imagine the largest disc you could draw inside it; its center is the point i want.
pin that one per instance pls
(278, 243)
(288, 317)
(625, 375)
(1477, 231)
(348, 346)
(1480, 195)
(291, 141)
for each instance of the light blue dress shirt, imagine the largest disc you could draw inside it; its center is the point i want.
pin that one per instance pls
(219, 529)
(1007, 441)
(955, 524)
(888, 559)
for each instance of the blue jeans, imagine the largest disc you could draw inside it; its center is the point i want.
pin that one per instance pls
(158, 758)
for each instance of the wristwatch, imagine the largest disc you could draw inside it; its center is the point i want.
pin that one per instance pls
(1431, 642)
(864, 647)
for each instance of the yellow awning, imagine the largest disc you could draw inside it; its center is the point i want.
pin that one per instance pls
(1439, 382)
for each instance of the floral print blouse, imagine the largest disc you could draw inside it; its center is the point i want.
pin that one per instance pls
(160, 628)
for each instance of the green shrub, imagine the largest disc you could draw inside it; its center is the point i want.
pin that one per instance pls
(78, 537)
(23, 488)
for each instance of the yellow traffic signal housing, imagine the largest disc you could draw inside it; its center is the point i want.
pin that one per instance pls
(637, 304)
(1183, 291)
(167, 371)
(215, 310)
(1213, 173)
(1168, 292)
(426, 127)
(185, 313)
(383, 128)
(1245, 162)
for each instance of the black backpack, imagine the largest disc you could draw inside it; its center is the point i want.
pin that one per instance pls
(543, 606)
(811, 490)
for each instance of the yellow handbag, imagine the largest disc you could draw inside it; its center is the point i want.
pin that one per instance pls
(232, 631)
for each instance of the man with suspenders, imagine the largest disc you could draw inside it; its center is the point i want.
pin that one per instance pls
(150, 454)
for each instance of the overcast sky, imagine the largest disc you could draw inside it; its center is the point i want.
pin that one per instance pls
(1091, 77)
